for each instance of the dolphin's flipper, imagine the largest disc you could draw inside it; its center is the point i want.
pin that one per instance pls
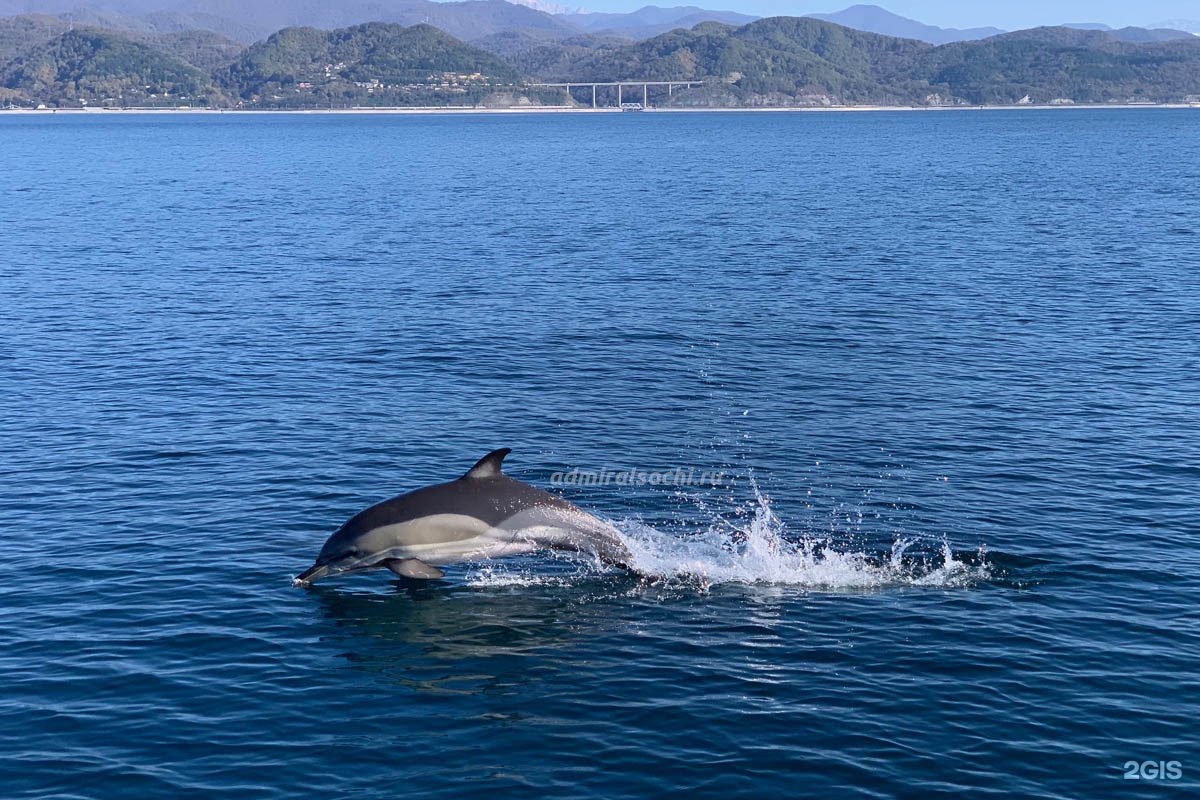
(414, 568)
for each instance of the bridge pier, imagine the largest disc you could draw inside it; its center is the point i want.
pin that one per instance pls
(621, 89)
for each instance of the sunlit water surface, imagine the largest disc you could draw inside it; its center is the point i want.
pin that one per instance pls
(947, 363)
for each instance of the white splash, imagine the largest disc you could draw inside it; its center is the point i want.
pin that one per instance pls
(500, 573)
(761, 552)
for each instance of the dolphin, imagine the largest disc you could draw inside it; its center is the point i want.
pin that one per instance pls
(483, 514)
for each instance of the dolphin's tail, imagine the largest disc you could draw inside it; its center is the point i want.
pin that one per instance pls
(604, 542)
(615, 554)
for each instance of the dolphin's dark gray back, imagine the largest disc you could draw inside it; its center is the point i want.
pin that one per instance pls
(492, 500)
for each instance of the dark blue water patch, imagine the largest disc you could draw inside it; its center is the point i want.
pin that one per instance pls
(946, 363)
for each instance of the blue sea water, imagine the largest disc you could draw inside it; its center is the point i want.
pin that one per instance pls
(947, 363)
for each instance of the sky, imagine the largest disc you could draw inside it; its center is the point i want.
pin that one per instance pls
(1009, 14)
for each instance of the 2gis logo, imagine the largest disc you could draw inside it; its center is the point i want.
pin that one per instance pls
(1152, 770)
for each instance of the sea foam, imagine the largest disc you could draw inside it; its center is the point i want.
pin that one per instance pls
(764, 551)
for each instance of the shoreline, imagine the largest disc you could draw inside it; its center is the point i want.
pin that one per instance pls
(462, 110)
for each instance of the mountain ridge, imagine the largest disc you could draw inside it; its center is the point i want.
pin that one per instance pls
(475, 19)
(777, 61)
(874, 19)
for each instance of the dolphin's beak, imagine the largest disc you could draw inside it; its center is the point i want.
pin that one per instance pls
(315, 572)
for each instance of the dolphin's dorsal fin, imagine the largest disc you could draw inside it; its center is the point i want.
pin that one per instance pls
(489, 465)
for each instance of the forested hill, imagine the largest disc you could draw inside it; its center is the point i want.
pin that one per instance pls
(776, 61)
(87, 66)
(781, 61)
(790, 60)
(383, 62)
(1048, 63)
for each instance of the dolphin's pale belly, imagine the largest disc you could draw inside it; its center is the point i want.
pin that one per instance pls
(492, 543)
(443, 539)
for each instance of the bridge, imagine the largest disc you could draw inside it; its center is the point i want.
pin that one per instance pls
(671, 86)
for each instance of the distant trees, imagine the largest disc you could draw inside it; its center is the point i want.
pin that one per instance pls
(777, 61)
(103, 67)
(802, 59)
(367, 62)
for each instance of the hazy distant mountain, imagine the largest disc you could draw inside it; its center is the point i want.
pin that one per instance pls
(203, 49)
(874, 19)
(250, 20)
(1132, 35)
(1148, 34)
(548, 6)
(257, 19)
(162, 22)
(1192, 26)
(541, 58)
(652, 20)
(12, 8)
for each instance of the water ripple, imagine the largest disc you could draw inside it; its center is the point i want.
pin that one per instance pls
(948, 363)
